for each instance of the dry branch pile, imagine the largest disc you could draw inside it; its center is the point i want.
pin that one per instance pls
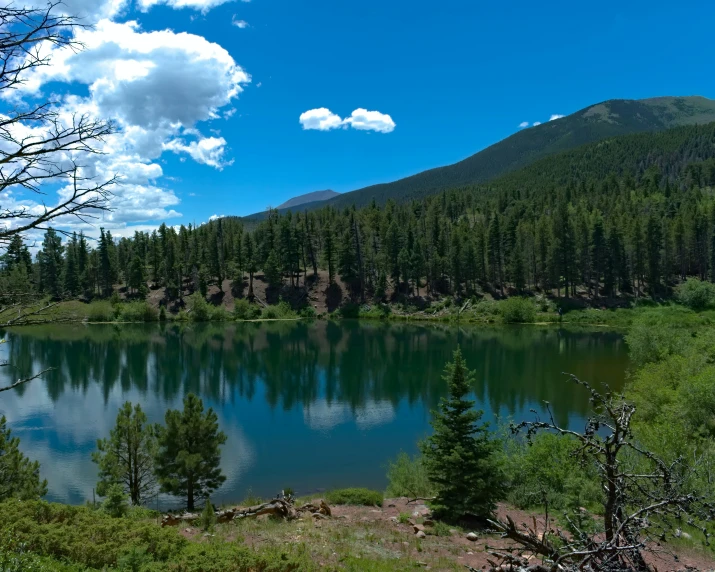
(280, 507)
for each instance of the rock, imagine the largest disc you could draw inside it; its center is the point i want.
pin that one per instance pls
(319, 516)
(472, 537)
(453, 531)
(391, 505)
(325, 509)
(428, 522)
(393, 519)
(470, 553)
(416, 514)
(343, 516)
(418, 527)
(420, 534)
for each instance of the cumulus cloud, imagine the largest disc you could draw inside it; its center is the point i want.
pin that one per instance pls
(536, 123)
(523, 124)
(202, 5)
(139, 80)
(323, 119)
(370, 121)
(89, 11)
(556, 116)
(239, 23)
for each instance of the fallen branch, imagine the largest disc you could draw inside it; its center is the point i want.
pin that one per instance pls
(23, 381)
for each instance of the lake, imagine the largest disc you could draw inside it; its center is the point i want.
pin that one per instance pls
(304, 405)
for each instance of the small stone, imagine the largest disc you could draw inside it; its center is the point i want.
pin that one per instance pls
(472, 537)
(420, 534)
(428, 522)
(391, 505)
(418, 528)
(406, 543)
(470, 553)
(393, 519)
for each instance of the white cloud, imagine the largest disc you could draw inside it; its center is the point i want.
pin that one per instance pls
(556, 116)
(239, 23)
(207, 150)
(202, 5)
(157, 86)
(321, 119)
(536, 123)
(370, 121)
(89, 11)
(523, 124)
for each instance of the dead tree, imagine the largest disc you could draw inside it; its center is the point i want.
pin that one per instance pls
(38, 143)
(645, 499)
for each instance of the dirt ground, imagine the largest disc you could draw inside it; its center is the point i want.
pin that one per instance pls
(378, 533)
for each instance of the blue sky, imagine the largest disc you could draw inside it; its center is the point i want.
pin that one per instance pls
(453, 76)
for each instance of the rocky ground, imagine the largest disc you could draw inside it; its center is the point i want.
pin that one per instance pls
(402, 532)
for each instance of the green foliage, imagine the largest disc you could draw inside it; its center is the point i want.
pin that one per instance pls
(244, 310)
(461, 456)
(126, 457)
(188, 460)
(219, 314)
(208, 516)
(354, 496)
(162, 314)
(138, 312)
(100, 311)
(517, 310)
(116, 501)
(19, 477)
(407, 477)
(199, 309)
(546, 473)
(656, 334)
(80, 535)
(135, 560)
(696, 294)
(404, 517)
(439, 528)
(281, 311)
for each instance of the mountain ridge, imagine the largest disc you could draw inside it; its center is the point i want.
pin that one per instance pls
(314, 197)
(594, 123)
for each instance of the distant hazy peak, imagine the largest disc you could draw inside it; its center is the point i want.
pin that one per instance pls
(313, 197)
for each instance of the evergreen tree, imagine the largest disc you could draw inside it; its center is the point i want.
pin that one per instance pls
(188, 459)
(19, 477)
(461, 458)
(249, 257)
(272, 270)
(654, 242)
(329, 251)
(127, 456)
(51, 263)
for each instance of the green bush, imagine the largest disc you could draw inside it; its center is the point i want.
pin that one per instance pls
(208, 516)
(281, 311)
(100, 311)
(695, 294)
(115, 504)
(307, 312)
(219, 314)
(407, 478)
(162, 314)
(517, 310)
(199, 309)
(244, 310)
(138, 312)
(83, 536)
(354, 496)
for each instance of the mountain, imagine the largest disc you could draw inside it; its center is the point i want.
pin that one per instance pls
(314, 197)
(601, 121)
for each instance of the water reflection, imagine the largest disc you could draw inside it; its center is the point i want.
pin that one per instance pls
(305, 405)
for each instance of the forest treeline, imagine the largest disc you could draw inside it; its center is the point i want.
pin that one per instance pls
(632, 216)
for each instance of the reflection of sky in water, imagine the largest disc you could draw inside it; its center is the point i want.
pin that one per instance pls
(339, 430)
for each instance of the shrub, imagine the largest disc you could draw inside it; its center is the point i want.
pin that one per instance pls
(244, 310)
(138, 312)
(695, 294)
(439, 529)
(355, 496)
(219, 314)
(407, 478)
(281, 311)
(115, 504)
(404, 518)
(208, 516)
(100, 311)
(307, 312)
(199, 310)
(162, 314)
(517, 310)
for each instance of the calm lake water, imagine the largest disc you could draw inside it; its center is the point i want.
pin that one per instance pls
(306, 405)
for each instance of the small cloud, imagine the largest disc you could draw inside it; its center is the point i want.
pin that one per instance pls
(259, 84)
(370, 121)
(536, 123)
(229, 113)
(239, 23)
(556, 116)
(216, 217)
(321, 119)
(523, 124)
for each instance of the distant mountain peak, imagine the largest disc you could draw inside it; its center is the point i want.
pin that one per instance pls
(314, 197)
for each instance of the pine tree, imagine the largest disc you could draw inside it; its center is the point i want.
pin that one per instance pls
(494, 253)
(51, 263)
(272, 270)
(127, 456)
(188, 460)
(329, 251)
(654, 242)
(461, 457)
(249, 257)
(19, 477)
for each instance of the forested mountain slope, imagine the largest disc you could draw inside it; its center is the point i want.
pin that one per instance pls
(314, 197)
(598, 122)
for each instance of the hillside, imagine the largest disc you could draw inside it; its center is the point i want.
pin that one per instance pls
(314, 197)
(595, 123)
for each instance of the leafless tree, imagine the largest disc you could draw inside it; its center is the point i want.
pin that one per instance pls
(645, 499)
(39, 144)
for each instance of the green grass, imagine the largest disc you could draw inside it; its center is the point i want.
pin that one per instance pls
(354, 496)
